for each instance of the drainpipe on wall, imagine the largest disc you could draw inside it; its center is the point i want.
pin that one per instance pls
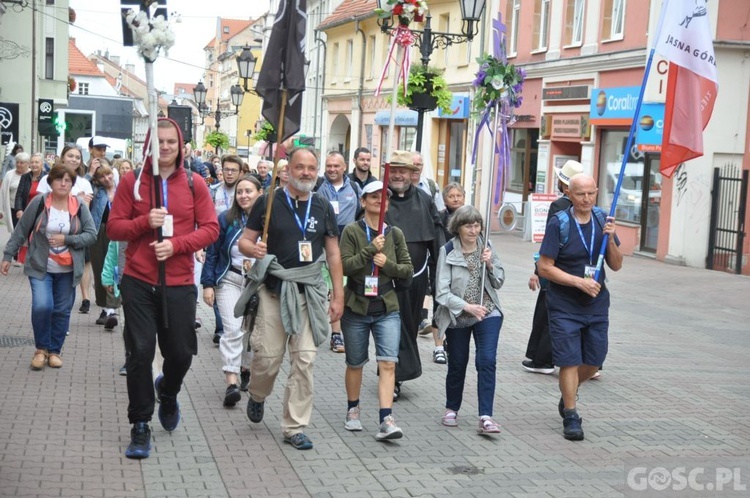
(34, 103)
(319, 88)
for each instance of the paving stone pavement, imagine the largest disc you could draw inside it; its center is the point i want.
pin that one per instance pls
(675, 384)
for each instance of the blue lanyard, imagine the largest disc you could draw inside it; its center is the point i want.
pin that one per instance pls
(163, 193)
(226, 197)
(243, 217)
(589, 249)
(367, 232)
(334, 192)
(300, 224)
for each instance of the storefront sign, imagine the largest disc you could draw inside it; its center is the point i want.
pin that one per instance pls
(542, 163)
(459, 108)
(403, 118)
(650, 129)
(539, 208)
(614, 106)
(570, 126)
(45, 123)
(8, 123)
(579, 92)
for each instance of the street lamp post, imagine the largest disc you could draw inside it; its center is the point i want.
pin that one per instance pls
(471, 14)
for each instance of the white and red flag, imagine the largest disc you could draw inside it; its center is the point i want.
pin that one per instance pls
(684, 39)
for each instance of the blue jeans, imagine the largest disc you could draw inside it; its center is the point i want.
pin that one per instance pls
(386, 331)
(52, 298)
(486, 337)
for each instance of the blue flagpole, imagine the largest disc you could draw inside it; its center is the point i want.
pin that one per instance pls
(628, 145)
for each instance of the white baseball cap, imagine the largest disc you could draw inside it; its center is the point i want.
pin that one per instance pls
(97, 141)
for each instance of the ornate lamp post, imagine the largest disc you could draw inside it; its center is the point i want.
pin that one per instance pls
(471, 14)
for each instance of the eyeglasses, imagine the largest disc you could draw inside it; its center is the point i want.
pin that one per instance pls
(230, 170)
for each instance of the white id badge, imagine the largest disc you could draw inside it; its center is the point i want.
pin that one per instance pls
(335, 205)
(589, 271)
(167, 229)
(371, 286)
(247, 265)
(305, 251)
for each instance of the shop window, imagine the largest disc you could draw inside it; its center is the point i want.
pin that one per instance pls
(404, 136)
(523, 154)
(629, 203)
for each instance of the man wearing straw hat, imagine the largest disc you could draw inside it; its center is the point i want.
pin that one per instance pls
(414, 212)
(539, 348)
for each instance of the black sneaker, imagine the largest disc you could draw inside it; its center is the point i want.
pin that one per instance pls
(123, 370)
(244, 380)
(110, 323)
(572, 430)
(102, 318)
(232, 396)
(85, 306)
(530, 366)
(217, 337)
(169, 407)
(140, 441)
(255, 410)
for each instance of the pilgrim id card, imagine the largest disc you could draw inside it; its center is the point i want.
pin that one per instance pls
(167, 229)
(247, 265)
(335, 205)
(589, 271)
(305, 251)
(371, 286)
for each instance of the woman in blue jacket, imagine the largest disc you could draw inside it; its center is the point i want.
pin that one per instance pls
(223, 279)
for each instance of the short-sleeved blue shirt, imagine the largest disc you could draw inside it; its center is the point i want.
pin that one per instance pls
(572, 258)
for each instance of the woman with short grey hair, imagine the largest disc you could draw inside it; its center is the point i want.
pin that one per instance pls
(11, 180)
(467, 308)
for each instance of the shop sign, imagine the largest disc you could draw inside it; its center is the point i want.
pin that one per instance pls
(650, 129)
(579, 92)
(8, 123)
(539, 208)
(570, 126)
(403, 118)
(459, 108)
(614, 106)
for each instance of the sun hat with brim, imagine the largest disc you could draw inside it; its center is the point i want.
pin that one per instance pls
(403, 159)
(373, 187)
(569, 170)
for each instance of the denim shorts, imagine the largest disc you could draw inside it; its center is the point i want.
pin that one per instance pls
(386, 330)
(578, 339)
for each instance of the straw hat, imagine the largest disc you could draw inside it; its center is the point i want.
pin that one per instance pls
(403, 159)
(569, 170)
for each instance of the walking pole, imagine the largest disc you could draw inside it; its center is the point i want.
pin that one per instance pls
(279, 134)
(488, 211)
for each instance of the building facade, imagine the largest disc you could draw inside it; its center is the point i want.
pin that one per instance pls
(585, 62)
(34, 75)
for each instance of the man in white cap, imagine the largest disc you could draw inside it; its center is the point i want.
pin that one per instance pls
(539, 348)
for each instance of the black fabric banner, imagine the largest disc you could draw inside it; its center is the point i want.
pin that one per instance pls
(287, 70)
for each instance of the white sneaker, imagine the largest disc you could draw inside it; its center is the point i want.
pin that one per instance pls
(389, 430)
(352, 420)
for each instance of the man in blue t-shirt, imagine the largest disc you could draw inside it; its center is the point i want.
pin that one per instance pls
(578, 304)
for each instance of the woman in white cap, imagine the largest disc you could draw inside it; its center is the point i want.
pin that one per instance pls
(371, 306)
